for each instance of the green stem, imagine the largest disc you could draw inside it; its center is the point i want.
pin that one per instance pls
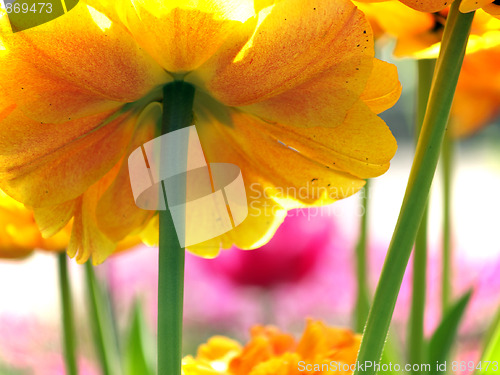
(69, 346)
(177, 113)
(103, 326)
(417, 313)
(363, 297)
(447, 161)
(448, 67)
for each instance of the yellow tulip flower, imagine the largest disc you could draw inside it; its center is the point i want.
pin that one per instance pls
(287, 90)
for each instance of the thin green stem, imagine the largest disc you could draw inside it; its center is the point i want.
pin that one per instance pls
(69, 346)
(177, 113)
(448, 67)
(103, 327)
(417, 312)
(363, 297)
(447, 170)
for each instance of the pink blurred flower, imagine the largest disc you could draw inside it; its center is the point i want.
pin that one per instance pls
(34, 348)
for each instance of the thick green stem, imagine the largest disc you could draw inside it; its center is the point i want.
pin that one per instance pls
(103, 326)
(417, 313)
(177, 113)
(69, 346)
(447, 164)
(363, 297)
(448, 67)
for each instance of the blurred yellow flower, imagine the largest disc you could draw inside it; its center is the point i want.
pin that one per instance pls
(477, 98)
(419, 34)
(19, 234)
(271, 352)
(286, 90)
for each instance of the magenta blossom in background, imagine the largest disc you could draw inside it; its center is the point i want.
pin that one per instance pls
(292, 254)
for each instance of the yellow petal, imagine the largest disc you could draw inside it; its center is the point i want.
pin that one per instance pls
(86, 238)
(276, 176)
(362, 146)
(182, 35)
(52, 219)
(116, 211)
(19, 234)
(294, 42)
(467, 6)
(48, 164)
(73, 68)
(383, 88)
(218, 348)
(427, 5)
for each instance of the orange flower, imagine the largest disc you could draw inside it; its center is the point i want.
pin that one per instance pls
(287, 90)
(270, 351)
(477, 98)
(419, 34)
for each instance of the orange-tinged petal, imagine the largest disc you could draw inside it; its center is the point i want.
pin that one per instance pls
(362, 146)
(295, 41)
(263, 153)
(383, 88)
(322, 101)
(320, 341)
(427, 5)
(96, 66)
(48, 164)
(181, 35)
(493, 9)
(116, 212)
(467, 6)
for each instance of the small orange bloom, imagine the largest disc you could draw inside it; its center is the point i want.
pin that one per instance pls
(271, 352)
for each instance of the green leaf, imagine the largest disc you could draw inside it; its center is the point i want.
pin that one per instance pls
(392, 353)
(139, 346)
(444, 336)
(492, 349)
